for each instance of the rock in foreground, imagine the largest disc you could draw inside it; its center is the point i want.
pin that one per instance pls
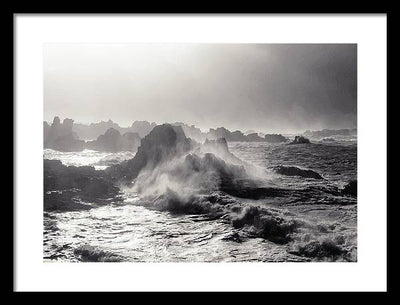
(74, 188)
(163, 143)
(296, 171)
(300, 140)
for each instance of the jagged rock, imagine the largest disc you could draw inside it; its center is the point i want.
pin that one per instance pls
(71, 187)
(295, 171)
(275, 138)
(300, 140)
(61, 137)
(222, 132)
(350, 188)
(162, 143)
(113, 141)
(235, 136)
(254, 137)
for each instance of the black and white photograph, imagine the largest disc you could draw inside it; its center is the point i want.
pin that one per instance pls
(200, 152)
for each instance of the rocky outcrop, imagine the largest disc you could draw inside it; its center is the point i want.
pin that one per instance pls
(296, 171)
(275, 138)
(94, 130)
(59, 136)
(75, 188)
(113, 141)
(254, 137)
(163, 143)
(222, 132)
(233, 136)
(330, 132)
(300, 140)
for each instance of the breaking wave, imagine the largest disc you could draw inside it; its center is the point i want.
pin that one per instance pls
(173, 173)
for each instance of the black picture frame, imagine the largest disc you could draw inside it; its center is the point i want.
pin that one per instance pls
(8, 19)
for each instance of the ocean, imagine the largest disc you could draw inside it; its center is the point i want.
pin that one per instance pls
(312, 221)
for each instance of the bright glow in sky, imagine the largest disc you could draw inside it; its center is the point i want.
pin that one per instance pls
(264, 87)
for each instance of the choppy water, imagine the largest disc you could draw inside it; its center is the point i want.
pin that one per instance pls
(132, 232)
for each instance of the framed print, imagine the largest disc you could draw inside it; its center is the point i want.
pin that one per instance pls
(200, 152)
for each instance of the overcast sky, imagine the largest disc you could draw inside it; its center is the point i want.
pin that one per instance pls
(264, 87)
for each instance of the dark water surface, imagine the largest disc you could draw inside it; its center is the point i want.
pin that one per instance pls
(324, 222)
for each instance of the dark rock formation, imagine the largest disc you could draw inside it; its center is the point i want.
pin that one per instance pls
(233, 136)
(350, 188)
(254, 137)
(330, 132)
(295, 171)
(300, 140)
(61, 137)
(221, 132)
(275, 138)
(163, 143)
(113, 141)
(75, 188)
